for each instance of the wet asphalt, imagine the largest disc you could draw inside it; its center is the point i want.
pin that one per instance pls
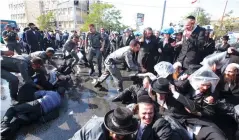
(81, 103)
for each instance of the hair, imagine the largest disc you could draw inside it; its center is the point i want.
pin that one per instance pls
(37, 61)
(50, 51)
(25, 29)
(92, 25)
(75, 36)
(180, 33)
(148, 28)
(36, 28)
(31, 24)
(134, 43)
(148, 78)
(191, 17)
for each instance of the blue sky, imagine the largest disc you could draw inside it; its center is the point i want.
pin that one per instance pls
(152, 9)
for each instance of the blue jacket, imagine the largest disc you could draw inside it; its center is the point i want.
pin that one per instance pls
(49, 100)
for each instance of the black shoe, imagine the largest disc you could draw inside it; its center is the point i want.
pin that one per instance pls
(98, 84)
(117, 98)
(91, 72)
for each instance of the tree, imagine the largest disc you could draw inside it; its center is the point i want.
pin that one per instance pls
(203, 18)
(228, 24)
(103, 15)
(46, 21)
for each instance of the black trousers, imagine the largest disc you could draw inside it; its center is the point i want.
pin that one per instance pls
(84, 55)
(210, 133)
(32, 109)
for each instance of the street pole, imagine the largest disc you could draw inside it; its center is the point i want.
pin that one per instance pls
(164, 8)
(74, 15)
(223, 14)
(198, 11)
(57, 19)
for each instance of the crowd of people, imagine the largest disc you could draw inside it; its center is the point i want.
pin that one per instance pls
(185, 86)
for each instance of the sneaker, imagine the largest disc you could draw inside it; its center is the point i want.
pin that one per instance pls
(97, 84)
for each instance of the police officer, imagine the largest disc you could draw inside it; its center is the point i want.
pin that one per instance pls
(45, 56)
(71, 47)
(119, 56)
(11, 37)
(95, 44)
(19, 64)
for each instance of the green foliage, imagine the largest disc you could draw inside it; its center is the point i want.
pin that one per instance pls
(103, 15)
(46, 21)
(203, 18)
(228, 25)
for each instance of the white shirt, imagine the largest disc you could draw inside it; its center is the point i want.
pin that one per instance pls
(58, 37)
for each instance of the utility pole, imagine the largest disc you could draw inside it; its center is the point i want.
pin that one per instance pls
(164, 8)
(198, 11)
(74, 14)
(223, 14)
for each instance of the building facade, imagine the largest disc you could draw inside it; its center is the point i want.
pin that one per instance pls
(68, 13)
(24, 11)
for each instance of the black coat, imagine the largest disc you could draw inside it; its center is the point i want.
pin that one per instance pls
(33, 40)
(230, 94)
(208, 49)
(116, 43)
(190, 47)
(125, 42)
(167, 51)
(177, 111)
(147, 53)
(222, 48)
(160, 129)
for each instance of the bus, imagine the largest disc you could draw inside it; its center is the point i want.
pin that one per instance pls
(3, 24)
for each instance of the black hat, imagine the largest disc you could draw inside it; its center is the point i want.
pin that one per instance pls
(225, 37)
(161, 85)
(120, 121)
(144, 99)
(142, 92)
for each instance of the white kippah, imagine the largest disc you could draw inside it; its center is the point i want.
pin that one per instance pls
(177, 64)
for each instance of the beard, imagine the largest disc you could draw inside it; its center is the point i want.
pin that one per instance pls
(229, 78)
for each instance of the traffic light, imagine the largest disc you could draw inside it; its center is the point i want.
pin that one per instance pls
(76, 2)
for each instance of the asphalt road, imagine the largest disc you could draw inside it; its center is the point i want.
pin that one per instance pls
(81, 103)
